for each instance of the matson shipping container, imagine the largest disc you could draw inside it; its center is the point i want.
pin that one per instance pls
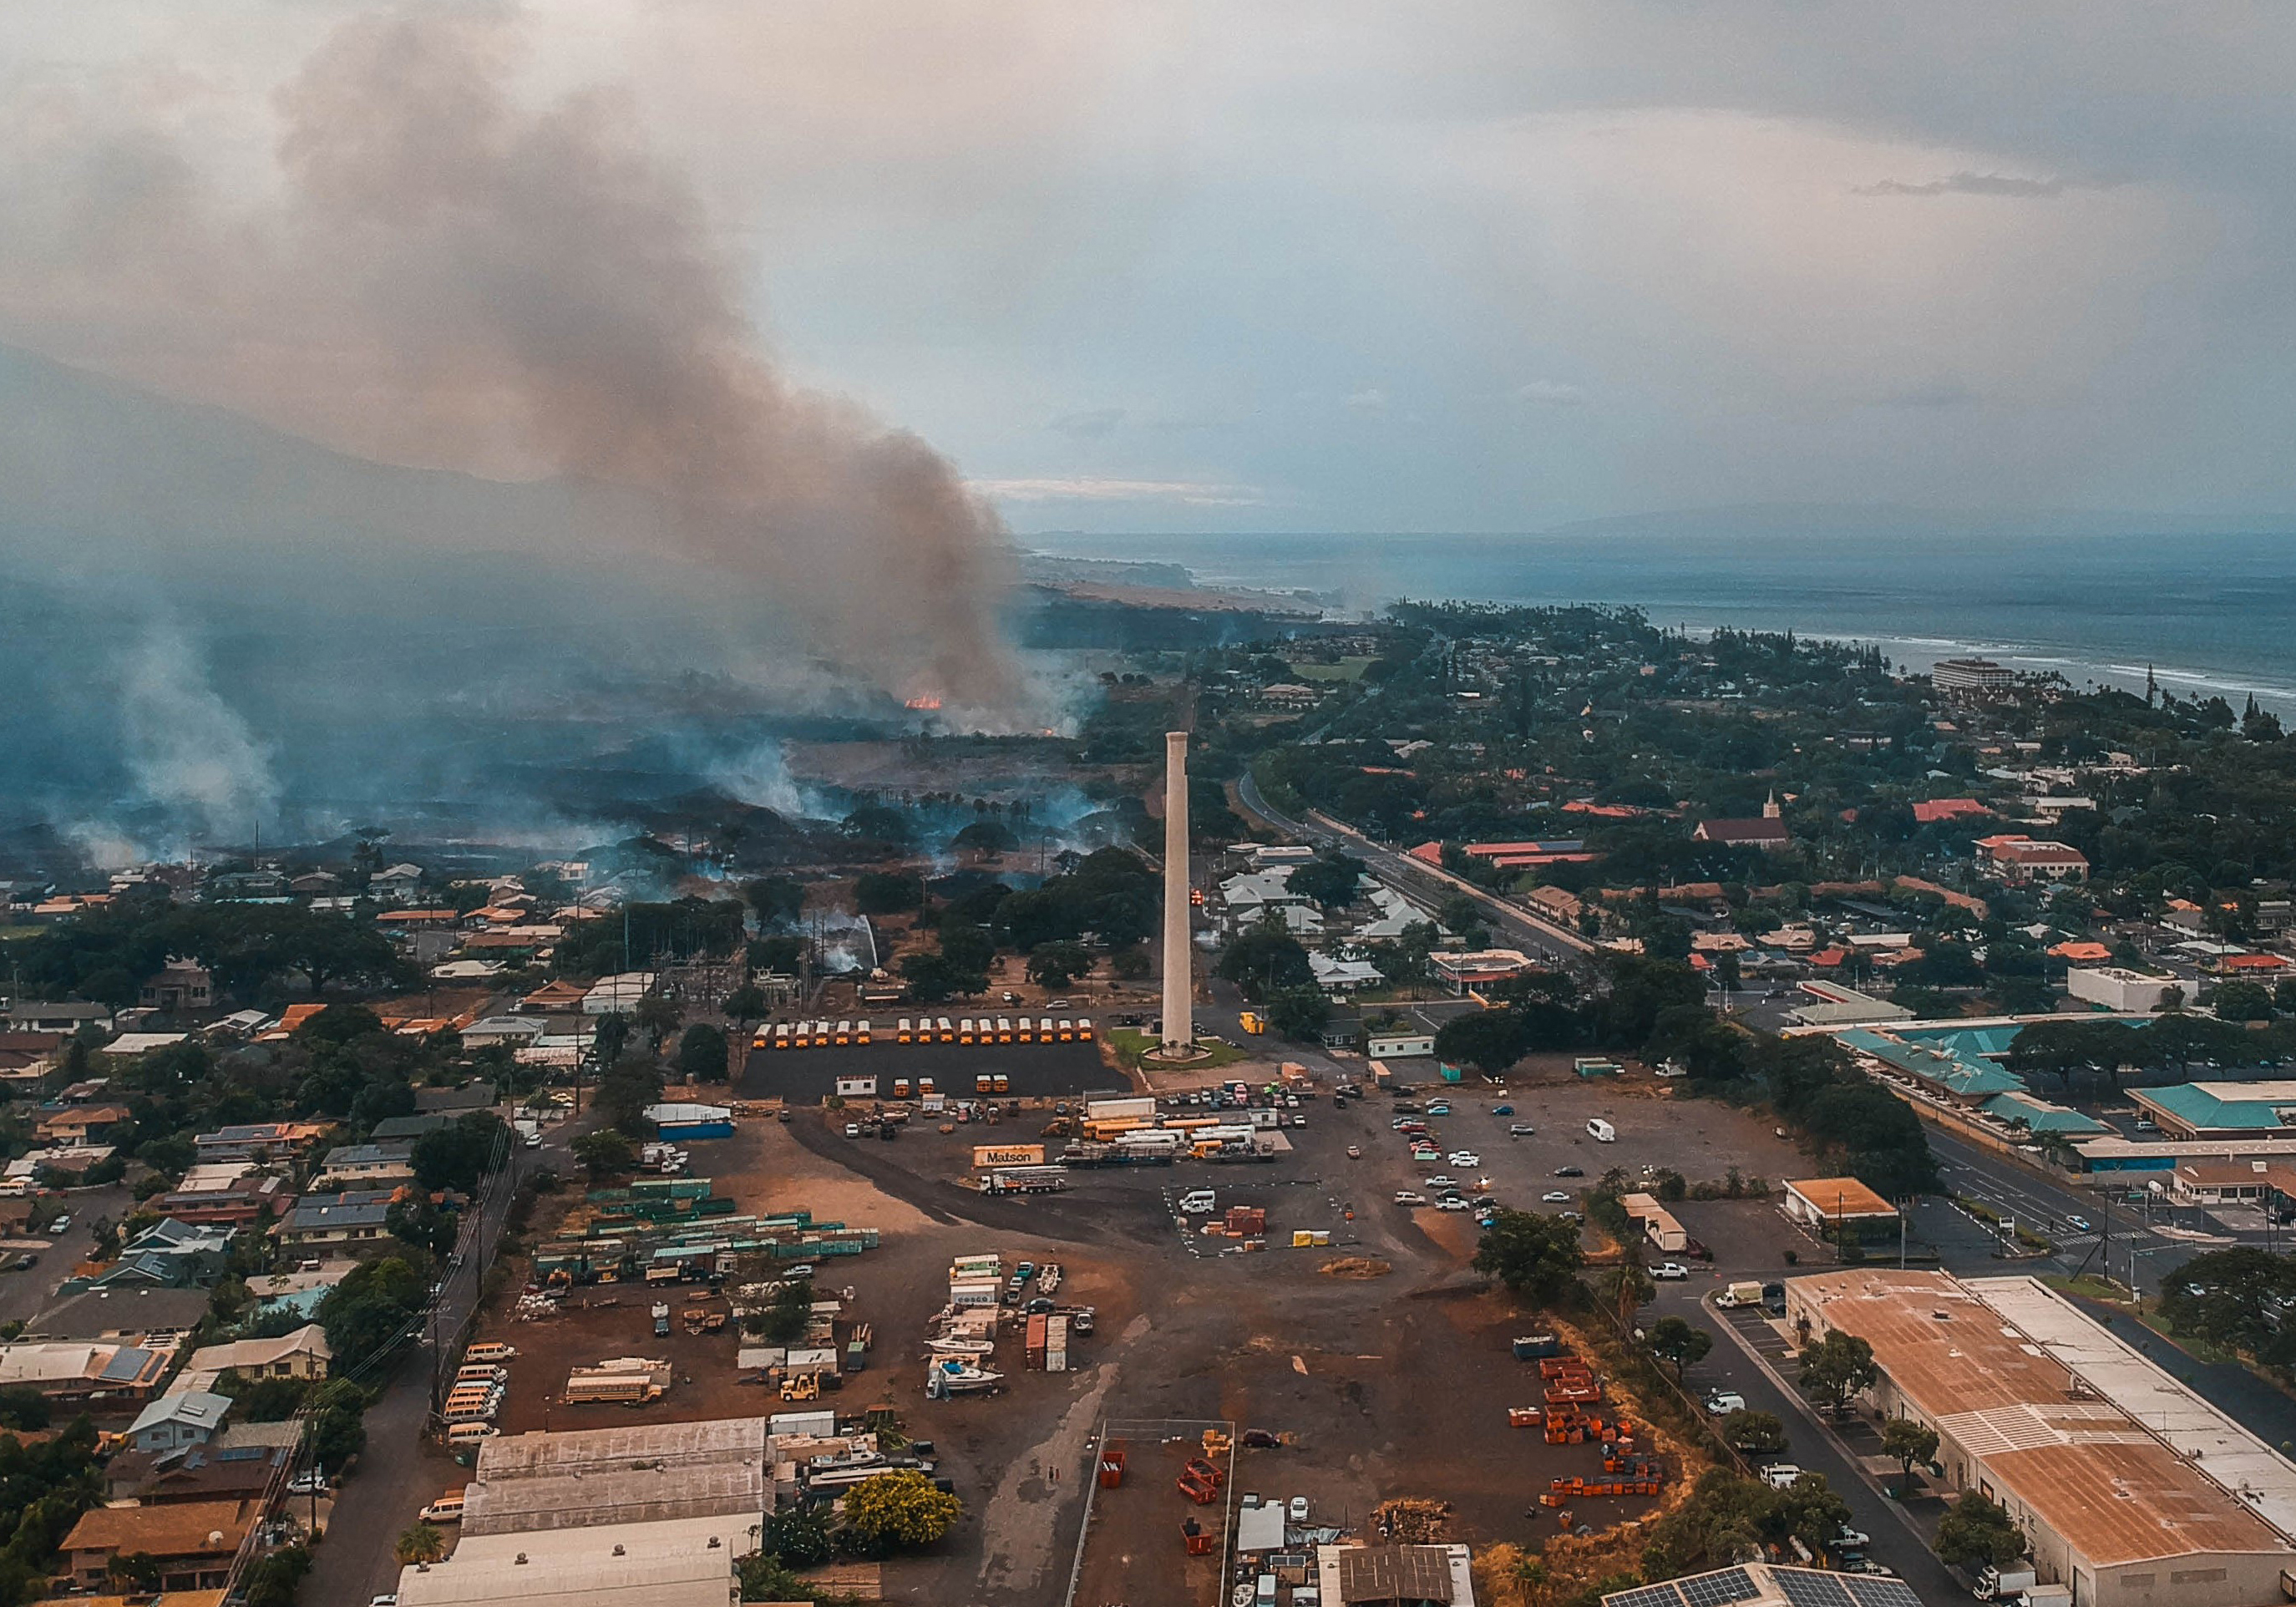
(987, 1157)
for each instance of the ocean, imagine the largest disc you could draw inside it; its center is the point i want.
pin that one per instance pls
(2205, 613)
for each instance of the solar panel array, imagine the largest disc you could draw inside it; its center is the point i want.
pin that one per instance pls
(1808, 1587)
(1716, 1589)
(1800, 1587)
(1872, 1592)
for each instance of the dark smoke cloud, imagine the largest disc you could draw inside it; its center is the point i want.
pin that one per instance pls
(445, 277)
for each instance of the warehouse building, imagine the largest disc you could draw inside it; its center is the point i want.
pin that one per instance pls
(2133, 1491)
(677, 1562)
(646, 1474)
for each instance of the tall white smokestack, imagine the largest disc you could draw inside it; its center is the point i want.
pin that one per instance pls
(1179, 981)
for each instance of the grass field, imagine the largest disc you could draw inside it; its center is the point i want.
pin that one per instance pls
(1131, 1044)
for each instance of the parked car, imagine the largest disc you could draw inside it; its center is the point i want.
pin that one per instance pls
(1502, 1110)
(1438, 1108)
(1723, 1402)
(1554, 1196)
(1355, 1152)
(1441, 1180)
(1453, 1203)
(1520, 1129)
(1299, 1509)
(853, 1129)
(1781, 1475)
(1669, 1271)
(1570, 1171)
(308, 1482)
(1853, 1537)
(1405, 1197)
(1466, 1158)
(1248, 1500)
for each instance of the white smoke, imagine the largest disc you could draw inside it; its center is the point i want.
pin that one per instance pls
(186, 749)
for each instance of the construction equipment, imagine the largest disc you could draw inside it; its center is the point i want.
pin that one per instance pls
(1217, 1442)
(801, 1387)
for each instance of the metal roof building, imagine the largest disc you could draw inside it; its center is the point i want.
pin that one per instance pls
(646, 1474)
(2132, 1490)
(682, 1562)
(1761, 1585)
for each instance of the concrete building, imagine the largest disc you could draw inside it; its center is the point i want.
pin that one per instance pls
(1179, 1018)
(2118, 989)
(1971, 678)
(2220, 1109)
(1831, 1204)
(2132, 1490)
(2018, 858)
(1475, 967)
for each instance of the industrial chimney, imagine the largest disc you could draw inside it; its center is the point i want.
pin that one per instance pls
(1179, 979)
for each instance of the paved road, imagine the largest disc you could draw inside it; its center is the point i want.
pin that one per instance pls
(1541, 939)
(24, 1294)
(2036, 1200)
(1743, 1343)
(395, 1477)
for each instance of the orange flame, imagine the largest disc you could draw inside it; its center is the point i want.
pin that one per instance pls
(926, 703)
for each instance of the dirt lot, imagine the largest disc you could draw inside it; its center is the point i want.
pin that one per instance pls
(1392, 1385)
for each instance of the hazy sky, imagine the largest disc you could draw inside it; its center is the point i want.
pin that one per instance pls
(1453, 265)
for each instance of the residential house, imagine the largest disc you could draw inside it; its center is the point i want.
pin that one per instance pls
(470, 1096)
(352, 1223)
(226, 1193)
(71, 1126)
(174, 1422)
(179, 985)
(1939, 811)
(66, 1017)
(1341, 978)
(402, 1129)
(364, 1166)
(302, 1354)
(147, 1317)
(261, 1140)
(395, 884)
(192, 1542)
(167, 1255)
(77, 1373)
(1558, 904)
(213, 1472)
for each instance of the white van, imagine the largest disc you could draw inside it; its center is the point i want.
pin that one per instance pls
(447, 1509)
(1602, 1131)
(470, 1433)
(1197, 1204)
(489, 1350)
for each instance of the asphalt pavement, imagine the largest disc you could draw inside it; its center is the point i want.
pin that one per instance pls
(24, 1294)
(396, 1476)
(1540, 939)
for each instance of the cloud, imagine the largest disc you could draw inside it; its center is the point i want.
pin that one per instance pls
(1946, 391)
(1369, 400)
(1553, 393)
(1986, 184)
(1091, 424)
(1093, 489)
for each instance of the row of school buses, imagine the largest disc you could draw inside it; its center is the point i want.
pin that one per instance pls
(927, 1029)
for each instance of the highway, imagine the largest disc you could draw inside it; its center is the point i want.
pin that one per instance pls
(2031, 1199)
(1536, 936)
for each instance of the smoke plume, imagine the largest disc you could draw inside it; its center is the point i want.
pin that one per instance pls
(441, 274)
(187, 750)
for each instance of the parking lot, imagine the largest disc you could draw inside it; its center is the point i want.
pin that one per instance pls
(1377, 1356)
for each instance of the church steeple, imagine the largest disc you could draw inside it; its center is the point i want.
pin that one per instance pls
(1770, 810)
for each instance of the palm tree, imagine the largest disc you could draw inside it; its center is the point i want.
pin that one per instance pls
(423, 1543)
